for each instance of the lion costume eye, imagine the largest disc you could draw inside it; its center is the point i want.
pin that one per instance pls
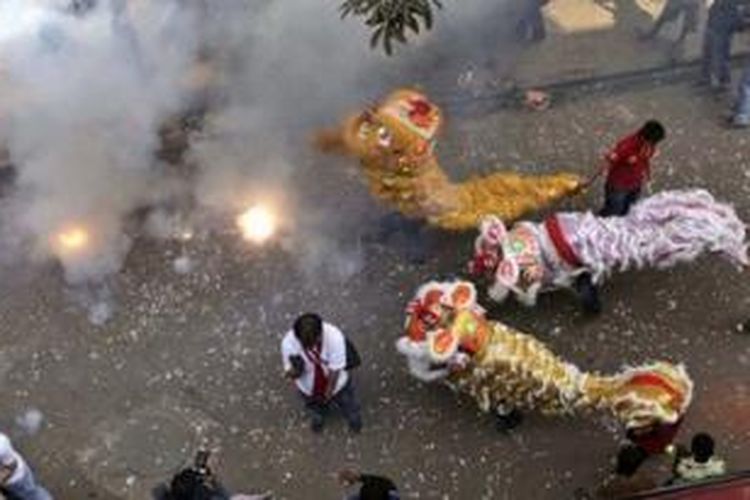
(364, 130)
(384, 137)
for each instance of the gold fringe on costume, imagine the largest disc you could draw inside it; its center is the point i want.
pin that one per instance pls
(508, 369)
(395, 143)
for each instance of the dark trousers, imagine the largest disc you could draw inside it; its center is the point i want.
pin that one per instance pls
(588, 293)
(717, 48)
(531, 25)
(411, 229)
(617, 202)
(345, 400)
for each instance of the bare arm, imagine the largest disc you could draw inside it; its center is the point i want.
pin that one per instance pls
(6, 471)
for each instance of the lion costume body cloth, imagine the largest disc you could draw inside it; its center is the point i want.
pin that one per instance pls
(448, 338)
(395, 143)
(660, 231)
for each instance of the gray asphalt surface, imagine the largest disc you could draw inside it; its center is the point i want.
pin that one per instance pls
(191, 358)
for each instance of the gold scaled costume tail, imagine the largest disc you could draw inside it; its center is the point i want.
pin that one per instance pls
(395, 143)
(507, 195)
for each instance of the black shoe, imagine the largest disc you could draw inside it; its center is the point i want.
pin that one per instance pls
(589, 294)
(592, 305)
(417, 259)
(508, 421)
(316, 424)
(355, 427)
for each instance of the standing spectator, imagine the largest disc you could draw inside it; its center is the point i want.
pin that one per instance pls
(628, 167)
(373, 487)
(315, 357)
(531, 25)
(655, 439)
(16, 479)
(701, 463)
(741, 116)
(689, 10)
(725, 18)
(626, 480)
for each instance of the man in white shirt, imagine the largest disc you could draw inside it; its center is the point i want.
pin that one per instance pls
(314, 356)
(16, 479)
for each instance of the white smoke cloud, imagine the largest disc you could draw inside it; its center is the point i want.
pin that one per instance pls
(82, 99)
(90, 95)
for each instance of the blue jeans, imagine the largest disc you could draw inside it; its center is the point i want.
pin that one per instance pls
(26, 489)
(717, 47)
(617, 202)
(742, 108)
(345, 400)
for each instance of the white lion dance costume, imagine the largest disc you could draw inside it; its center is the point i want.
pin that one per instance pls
(448, 338)
(660, 231)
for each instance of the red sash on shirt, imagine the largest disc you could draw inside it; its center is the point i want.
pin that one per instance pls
(320, 379)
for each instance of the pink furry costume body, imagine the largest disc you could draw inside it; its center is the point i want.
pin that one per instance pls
(660, 231)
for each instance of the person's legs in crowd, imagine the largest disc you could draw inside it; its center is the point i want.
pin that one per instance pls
(723, 59)
(707, 58)
(690, 17)
(741, 117)
(530, 26)
(346, 400)
(536, 25)
(668, 14)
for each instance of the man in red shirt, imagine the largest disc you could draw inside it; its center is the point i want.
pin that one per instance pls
(628, 167)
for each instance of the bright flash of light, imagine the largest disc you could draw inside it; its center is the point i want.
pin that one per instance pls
(73, 239)
(257, 224)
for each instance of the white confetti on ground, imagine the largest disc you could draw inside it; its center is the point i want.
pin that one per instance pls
(100, 313)
(183, 264)
(30, 421)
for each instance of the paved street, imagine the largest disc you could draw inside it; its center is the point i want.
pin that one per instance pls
(181, 348)
(194, 356)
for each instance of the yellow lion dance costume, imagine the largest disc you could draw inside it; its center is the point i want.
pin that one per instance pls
(395, 142)
(448, 338)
